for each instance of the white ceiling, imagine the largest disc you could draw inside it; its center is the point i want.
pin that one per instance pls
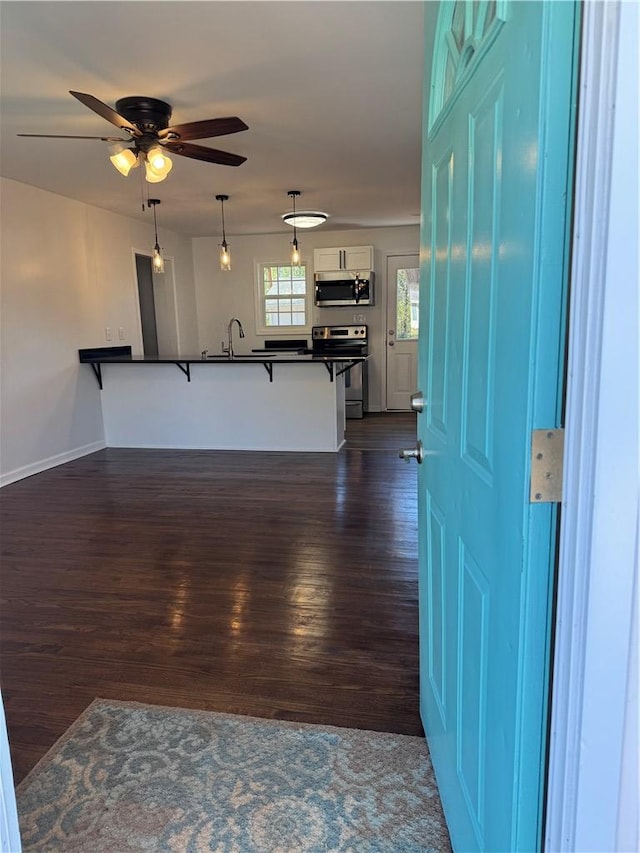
(331, 92)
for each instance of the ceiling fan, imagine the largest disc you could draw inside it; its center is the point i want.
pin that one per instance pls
(146, 120)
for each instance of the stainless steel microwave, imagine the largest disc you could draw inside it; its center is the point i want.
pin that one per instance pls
(344, 288)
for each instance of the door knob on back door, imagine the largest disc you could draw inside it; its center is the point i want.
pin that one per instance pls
(416, 453)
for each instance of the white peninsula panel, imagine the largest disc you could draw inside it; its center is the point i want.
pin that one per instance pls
(223, 407)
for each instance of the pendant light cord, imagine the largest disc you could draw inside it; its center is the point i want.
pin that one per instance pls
(155, 226)
(294, 242)
(295, 233)
(224, 235)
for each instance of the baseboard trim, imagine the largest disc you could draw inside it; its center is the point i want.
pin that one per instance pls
(51, 462)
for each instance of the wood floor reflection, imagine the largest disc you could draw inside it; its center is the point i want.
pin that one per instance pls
(272, 584)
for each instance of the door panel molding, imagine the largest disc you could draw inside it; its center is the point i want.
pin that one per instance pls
(473, 619)
(439, 313)
(484, 195)
(437, 625)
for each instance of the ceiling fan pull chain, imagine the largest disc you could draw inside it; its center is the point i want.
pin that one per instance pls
(141, 190)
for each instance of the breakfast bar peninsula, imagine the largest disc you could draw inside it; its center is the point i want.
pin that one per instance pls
(280, 401)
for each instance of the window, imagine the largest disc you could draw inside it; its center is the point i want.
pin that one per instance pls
(282, 297)
(407, 304)
(464, 31)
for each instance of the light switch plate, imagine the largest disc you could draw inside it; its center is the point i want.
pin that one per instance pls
(108, 333)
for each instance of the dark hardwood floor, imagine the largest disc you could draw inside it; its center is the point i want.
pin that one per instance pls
(272, 584)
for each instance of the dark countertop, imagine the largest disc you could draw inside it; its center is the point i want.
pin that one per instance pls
(122, 355)
(98, 356)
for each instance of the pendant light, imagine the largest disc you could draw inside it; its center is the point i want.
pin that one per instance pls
(295, 251)
(225, 254)
(157, 261)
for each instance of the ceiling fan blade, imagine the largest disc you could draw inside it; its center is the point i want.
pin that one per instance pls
(199, 152)
(204, 129)
(63, 136)
(106, 112)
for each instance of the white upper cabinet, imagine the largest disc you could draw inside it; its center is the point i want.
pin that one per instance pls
(352, 258)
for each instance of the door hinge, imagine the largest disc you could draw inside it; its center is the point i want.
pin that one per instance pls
(547, 457)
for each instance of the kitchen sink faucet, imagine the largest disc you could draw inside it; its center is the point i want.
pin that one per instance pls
(229, 348)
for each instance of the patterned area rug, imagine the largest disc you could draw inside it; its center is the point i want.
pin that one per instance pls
(129, 777)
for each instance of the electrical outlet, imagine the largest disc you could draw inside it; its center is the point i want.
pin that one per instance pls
(358, 318)
(108, 333)
(121, 332)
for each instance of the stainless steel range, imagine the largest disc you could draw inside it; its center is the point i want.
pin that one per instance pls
(346, 340)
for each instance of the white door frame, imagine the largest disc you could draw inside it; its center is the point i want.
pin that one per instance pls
(9, 825)
(391, 286)
(592, 797)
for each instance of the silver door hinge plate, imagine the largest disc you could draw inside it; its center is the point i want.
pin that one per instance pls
(547, 456)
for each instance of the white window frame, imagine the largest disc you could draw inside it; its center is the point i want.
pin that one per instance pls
(261, 327)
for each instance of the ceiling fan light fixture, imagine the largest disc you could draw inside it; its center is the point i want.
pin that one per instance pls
(151, 177)
(146, 120)
(157, 165)
(158, 160)
(225, 254)
(123, 158)
(305, 218)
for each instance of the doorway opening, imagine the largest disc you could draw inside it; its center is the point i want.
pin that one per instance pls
(403, 294)
(158, 312)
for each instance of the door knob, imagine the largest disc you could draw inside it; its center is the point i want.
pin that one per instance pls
(391, 343)
(416, 453)
(418, 402)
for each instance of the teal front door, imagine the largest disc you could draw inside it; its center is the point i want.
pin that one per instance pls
(496, 198)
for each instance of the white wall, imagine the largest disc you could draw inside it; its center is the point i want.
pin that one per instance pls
(67, 272)
(222, 295)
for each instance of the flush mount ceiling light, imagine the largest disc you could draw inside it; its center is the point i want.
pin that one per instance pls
(157, 261)
(225, 254)
(305, 218)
